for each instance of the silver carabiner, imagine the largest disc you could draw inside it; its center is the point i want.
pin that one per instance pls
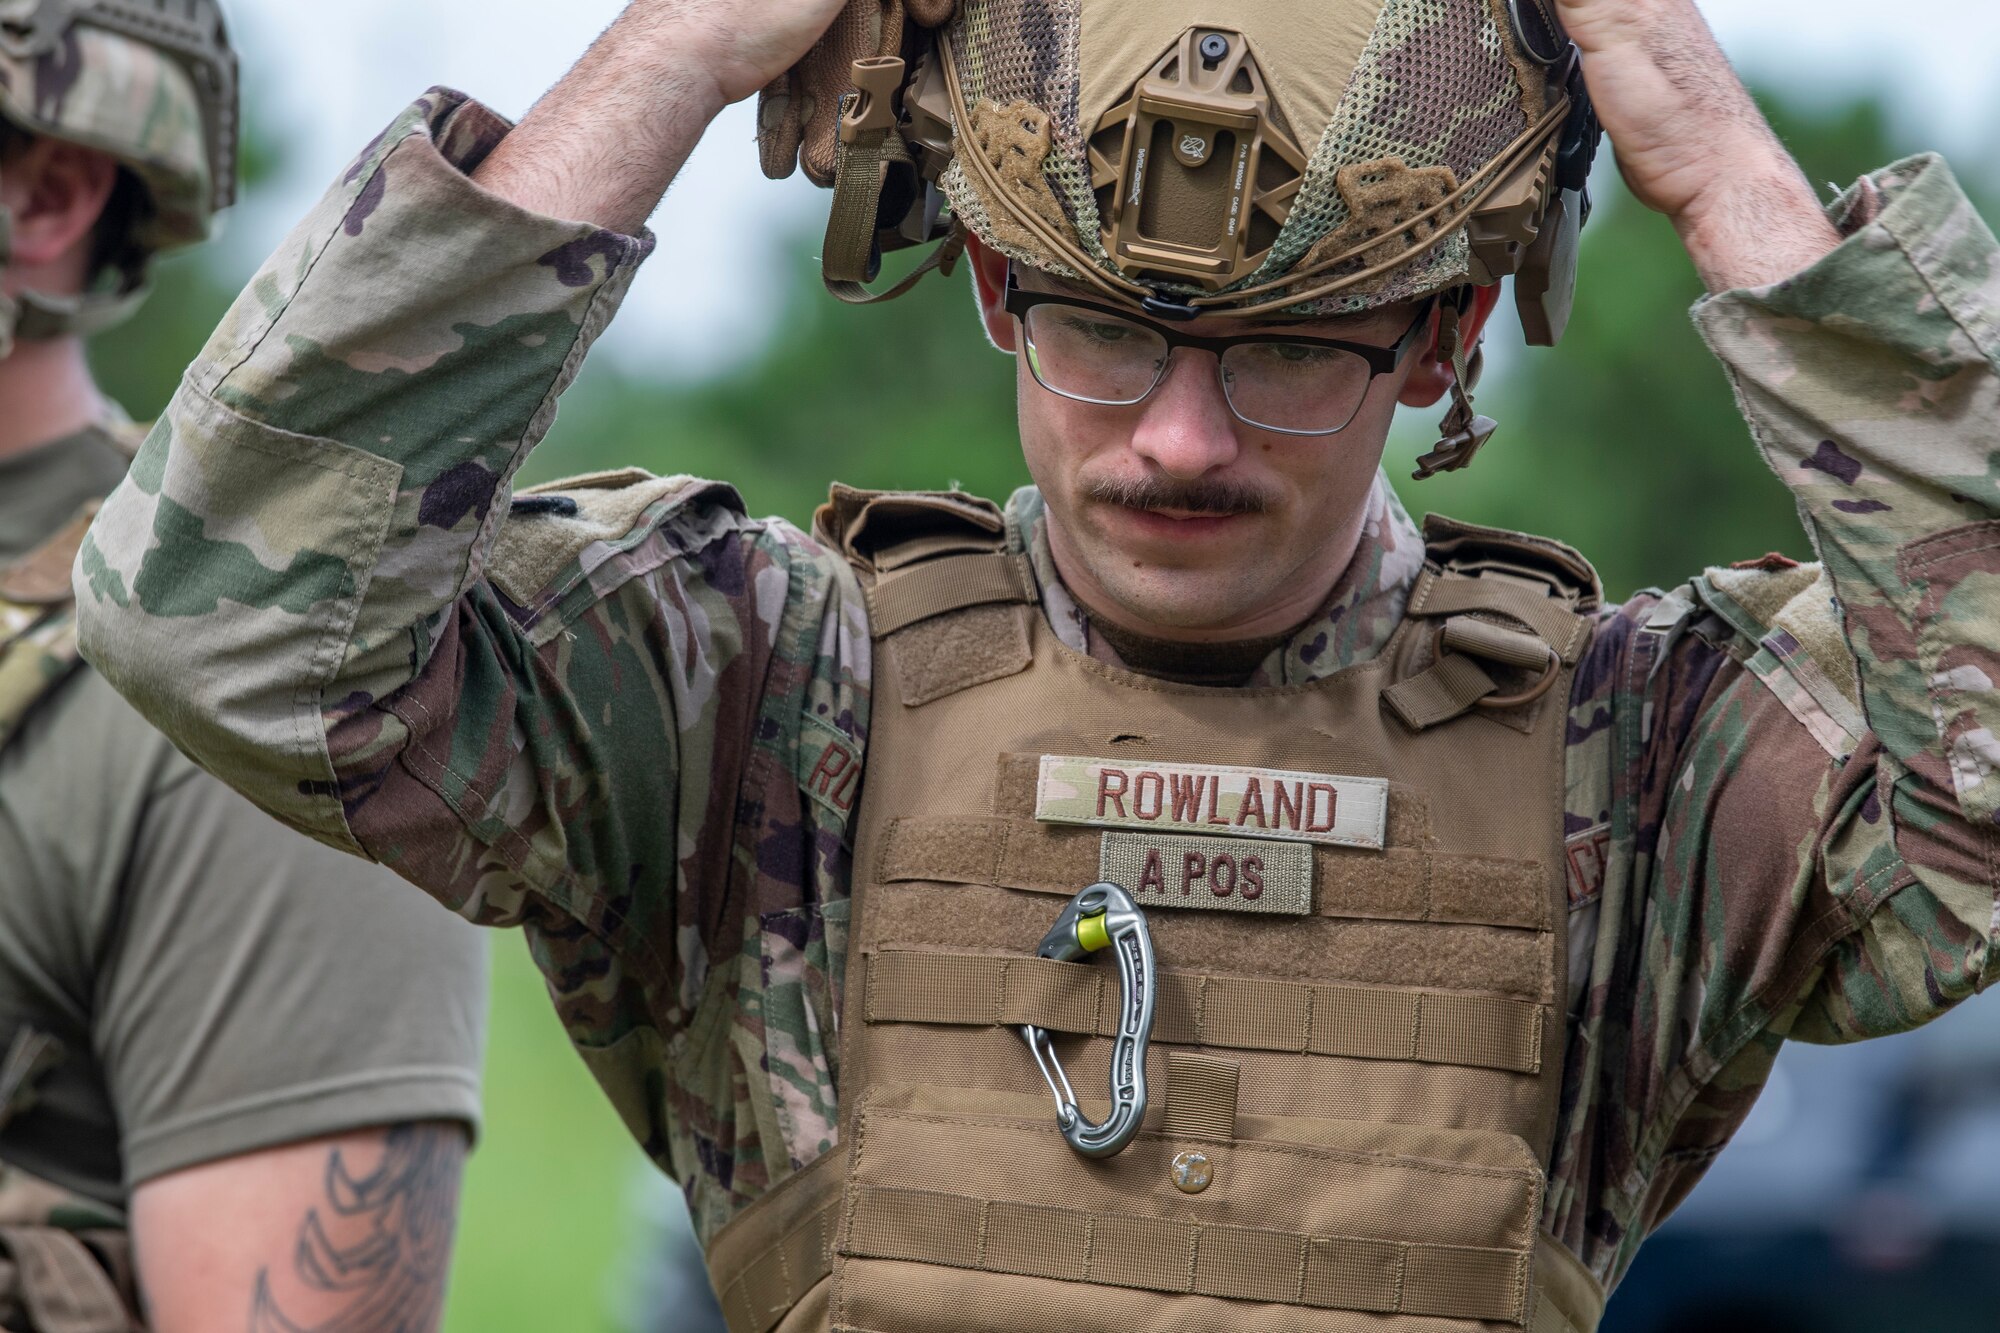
(1104, 916)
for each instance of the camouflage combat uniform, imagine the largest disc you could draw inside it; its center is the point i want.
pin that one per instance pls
(632, 719)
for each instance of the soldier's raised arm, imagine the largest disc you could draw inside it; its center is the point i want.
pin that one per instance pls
(1788, 829)
(323, 493)
(300, 580)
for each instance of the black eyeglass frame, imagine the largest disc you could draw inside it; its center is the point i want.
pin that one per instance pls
(1381, 360)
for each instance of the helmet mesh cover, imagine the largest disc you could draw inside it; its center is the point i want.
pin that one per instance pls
(1437, 85)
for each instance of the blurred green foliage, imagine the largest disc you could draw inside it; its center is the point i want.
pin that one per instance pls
(1624, 441)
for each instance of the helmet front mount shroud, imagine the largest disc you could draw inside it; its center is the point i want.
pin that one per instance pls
(1197, 175)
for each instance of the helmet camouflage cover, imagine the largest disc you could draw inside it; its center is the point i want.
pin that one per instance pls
(1254, 158)
(152, 83)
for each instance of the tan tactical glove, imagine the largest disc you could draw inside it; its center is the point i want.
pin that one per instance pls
(798, 115)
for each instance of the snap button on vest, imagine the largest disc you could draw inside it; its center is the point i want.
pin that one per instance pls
(1192, 1172)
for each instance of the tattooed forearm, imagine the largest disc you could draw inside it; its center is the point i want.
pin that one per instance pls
(373, 1255)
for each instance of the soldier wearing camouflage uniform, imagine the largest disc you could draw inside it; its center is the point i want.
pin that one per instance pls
(679, 745)
(238, 1072)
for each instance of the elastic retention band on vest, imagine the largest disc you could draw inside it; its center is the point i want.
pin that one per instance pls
(1455, 683)
(1154, 1254)
(1225, 1013)
(948, 583)
(1450, 687)
(1449, 594)
(1201, 1096)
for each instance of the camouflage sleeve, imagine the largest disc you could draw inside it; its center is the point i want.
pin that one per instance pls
(1781, 777)
(620, 713)
(299, 528)
(1872, 384)
(298, 580)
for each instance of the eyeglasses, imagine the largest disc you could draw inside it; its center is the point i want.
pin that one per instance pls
(1281, 382)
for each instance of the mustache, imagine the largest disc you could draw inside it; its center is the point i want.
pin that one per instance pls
(1215, 497)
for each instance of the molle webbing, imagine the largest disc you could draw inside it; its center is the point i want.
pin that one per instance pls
(1218, 1013)
(1201, 1096)
(1155, 1254)
(1523, 604)
(769, 1258)
(761, 1285)
(1355, 1068)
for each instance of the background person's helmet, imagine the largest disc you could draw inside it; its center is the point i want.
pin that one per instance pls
(1253, 158)
(152, 83)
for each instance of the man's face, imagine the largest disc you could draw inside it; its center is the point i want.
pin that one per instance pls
(1175, 517)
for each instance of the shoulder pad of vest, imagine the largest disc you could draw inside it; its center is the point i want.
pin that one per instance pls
(41, 577)
(548, 526)
(883, 530)
(1470, 548)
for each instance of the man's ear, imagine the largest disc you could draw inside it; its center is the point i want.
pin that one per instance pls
(1431, 376)
(57, 192)
(989, 289)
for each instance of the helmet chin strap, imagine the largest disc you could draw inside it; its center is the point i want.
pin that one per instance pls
(1464, 430)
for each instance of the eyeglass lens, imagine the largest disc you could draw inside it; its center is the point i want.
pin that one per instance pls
(1097, 357)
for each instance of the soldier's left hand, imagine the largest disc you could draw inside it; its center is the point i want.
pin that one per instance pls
(1692, 143)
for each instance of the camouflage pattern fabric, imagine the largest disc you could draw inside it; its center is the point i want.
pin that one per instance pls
(626, 719)
(37, 651)
(89, 1288)
(129, 99)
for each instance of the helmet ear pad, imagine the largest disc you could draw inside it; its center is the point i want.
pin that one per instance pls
(1431, 375)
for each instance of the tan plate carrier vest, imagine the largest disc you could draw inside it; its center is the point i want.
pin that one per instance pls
(1350, 1107)
(65, 1261)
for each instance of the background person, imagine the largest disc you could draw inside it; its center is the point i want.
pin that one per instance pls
(255, 1060)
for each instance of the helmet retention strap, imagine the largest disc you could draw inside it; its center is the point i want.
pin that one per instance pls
(1464, 431)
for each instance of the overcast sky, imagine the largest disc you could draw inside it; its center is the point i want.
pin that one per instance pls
(329, 76)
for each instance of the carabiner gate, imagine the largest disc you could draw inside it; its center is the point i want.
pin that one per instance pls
(1104, 916)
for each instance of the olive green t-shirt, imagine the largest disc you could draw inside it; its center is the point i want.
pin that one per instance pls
(220, 983)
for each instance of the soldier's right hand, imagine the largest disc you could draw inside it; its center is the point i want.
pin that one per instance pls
(605, 142)
(744, 44)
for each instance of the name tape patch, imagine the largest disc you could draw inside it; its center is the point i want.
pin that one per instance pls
(1213, 800)
(1215, 874)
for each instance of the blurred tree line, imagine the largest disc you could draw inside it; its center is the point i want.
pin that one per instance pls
(1624, 441)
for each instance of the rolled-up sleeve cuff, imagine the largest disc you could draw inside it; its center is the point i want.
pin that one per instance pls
(1912, 215)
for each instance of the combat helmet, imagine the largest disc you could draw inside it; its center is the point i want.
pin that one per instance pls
(1249, 158)
(153, 84)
